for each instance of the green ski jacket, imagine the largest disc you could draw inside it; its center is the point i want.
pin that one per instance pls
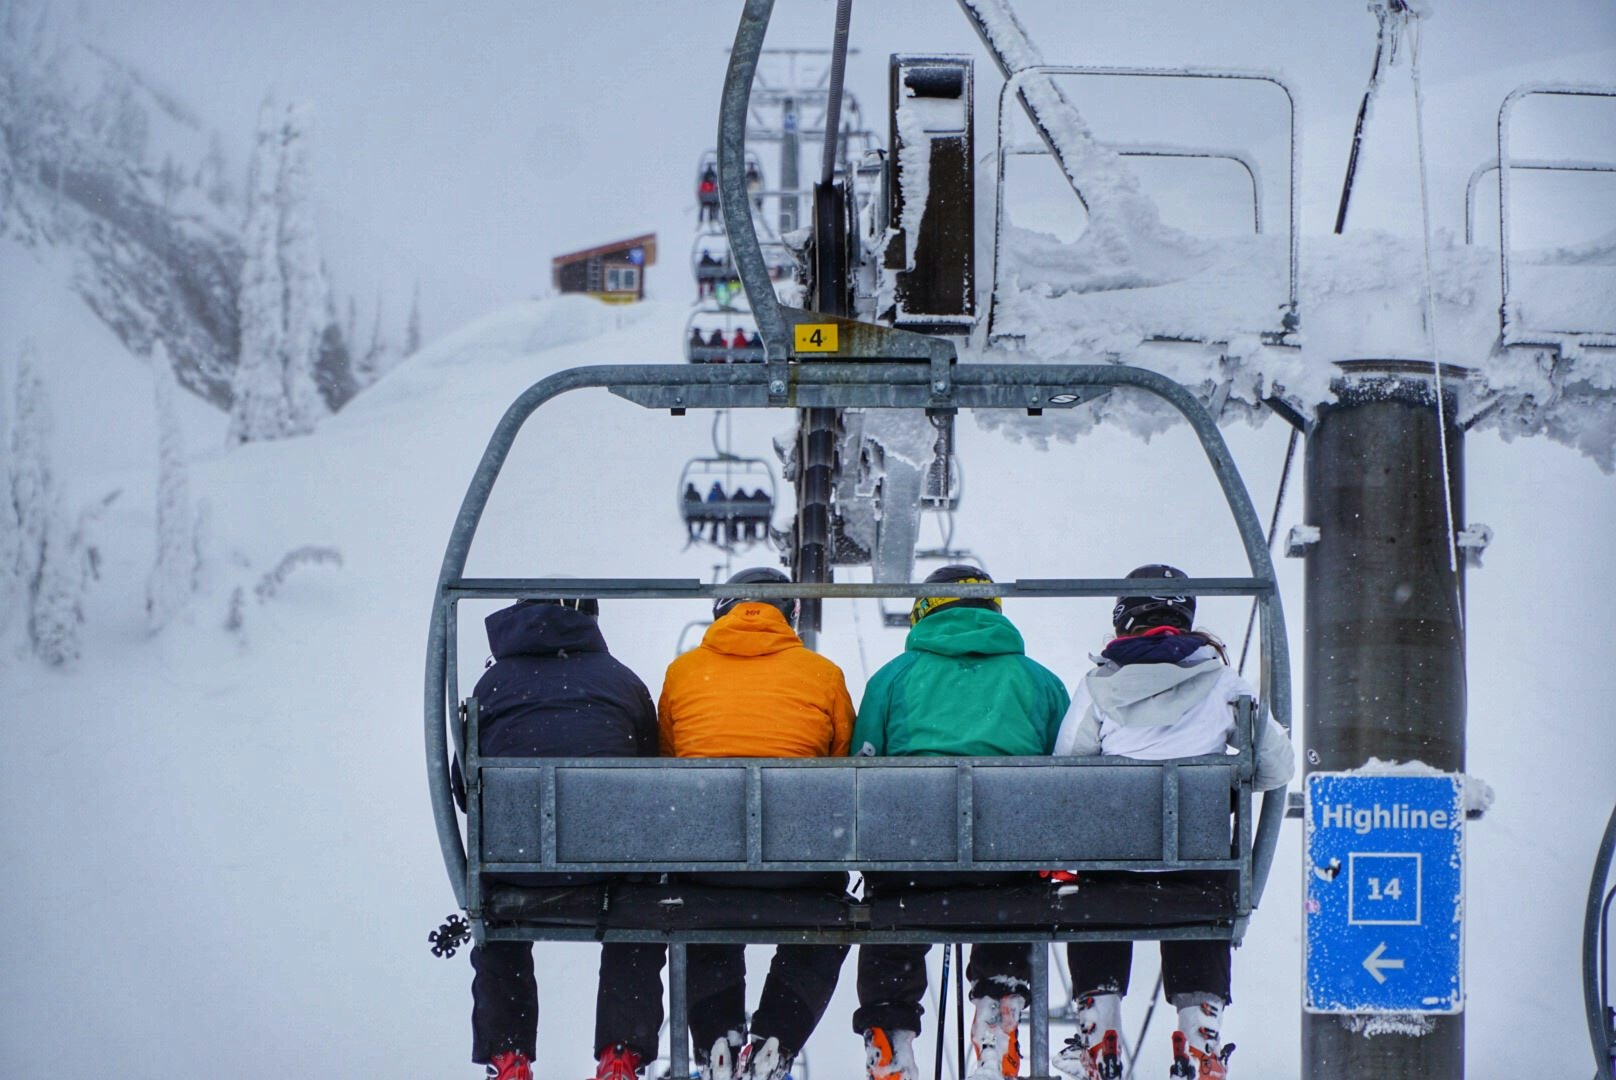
(963, 687)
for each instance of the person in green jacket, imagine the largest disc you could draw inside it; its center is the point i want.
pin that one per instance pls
(964, 687)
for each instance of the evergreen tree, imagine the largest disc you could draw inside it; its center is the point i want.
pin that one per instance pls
(212, 175)
(307, 299)
(175, 575)
(170, 180)
(259, 407)
(374, 358)
(293, 366)
(57, 614)
(412, 333)
(48, 565)
(32, 485)
(10, 530)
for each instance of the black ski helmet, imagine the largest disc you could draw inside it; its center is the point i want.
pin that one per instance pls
(751, 576)
(1158, 609)
(954, 574)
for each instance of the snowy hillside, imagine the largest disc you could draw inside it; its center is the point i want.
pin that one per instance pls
(219, 842)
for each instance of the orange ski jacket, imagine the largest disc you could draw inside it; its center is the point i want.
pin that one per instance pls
(753, 690)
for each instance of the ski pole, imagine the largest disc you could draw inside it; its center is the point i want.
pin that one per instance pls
(1139, 1044)
(942, 1014)
(959, 994)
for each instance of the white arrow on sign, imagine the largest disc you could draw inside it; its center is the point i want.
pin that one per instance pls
(1374, 964)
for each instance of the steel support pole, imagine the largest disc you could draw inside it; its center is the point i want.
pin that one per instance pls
(1384, 639)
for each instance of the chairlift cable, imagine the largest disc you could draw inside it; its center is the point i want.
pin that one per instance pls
(1363, 116)
(1430, 320)
(1273, 528)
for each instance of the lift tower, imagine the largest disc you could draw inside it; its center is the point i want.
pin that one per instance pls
(1384, 639)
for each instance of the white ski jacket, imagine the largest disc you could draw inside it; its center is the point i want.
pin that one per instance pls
(1157, 711)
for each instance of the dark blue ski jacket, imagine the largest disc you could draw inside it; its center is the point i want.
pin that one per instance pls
(554, 691)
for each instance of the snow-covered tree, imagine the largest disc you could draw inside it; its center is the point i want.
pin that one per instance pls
(175, 575)
(412, 333)
(213, 174)
(368, 368)
(170, 180)
(32, 485)
(48, 565)
(259, 408)
(11, 590)
(57, 613)
(288, 332)
(307, 299)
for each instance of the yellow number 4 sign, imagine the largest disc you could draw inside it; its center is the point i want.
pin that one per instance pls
(816, 337)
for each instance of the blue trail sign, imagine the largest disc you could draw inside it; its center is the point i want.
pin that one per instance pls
(1384, 868)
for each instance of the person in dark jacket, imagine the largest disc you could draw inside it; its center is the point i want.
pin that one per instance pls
(551, 689)
(964, 686)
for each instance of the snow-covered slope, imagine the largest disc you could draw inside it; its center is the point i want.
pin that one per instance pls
(217, 844)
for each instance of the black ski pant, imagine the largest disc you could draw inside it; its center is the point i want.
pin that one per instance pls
(796, 993)
(892, 978)
(505, 999)
(797, 990)
(1189, 968)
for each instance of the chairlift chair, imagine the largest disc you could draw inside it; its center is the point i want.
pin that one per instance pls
(703, 322)
(743, 514)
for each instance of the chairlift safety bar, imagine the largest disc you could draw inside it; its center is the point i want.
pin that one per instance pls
(1014, 84)
(1533, 335)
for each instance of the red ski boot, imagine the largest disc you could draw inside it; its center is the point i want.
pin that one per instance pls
(617, 1062)
(511, 1065)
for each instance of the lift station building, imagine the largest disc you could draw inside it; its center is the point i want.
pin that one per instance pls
(614, 273)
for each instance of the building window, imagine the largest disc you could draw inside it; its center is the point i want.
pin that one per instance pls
(622, 278)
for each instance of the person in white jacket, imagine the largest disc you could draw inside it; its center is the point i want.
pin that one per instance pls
(1160, 689)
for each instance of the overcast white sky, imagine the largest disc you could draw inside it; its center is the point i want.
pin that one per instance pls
(464, 144)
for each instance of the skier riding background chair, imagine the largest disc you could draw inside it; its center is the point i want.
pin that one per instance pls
(1160, 690)
(752, 690)
(964, 686)
(551, 689)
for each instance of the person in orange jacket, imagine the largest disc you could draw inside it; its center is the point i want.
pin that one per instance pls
(753, 690)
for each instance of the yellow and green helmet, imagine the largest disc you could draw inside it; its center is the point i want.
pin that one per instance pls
(957, 573)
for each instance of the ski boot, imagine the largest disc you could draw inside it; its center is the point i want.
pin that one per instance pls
(722, 1060)
(995, 1037)
(890, 1055)
(617, 1062)
(764, 1059)
(1094, 1053)
(511, 1065)
(1193, 1063)
(1197, 1054)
